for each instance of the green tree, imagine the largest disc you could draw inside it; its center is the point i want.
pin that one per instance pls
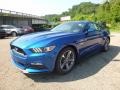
(115, 10)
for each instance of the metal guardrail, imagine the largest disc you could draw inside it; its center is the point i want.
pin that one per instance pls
(9, 12)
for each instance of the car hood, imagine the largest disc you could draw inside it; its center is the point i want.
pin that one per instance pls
(43, 37)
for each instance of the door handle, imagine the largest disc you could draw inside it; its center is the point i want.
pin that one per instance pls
(81, 41)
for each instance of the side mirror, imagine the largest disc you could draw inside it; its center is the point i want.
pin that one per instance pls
(86, 32)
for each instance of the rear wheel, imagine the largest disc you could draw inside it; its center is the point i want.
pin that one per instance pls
(106, 45)
(65, 60)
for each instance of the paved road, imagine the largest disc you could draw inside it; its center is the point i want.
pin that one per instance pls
(99, 72)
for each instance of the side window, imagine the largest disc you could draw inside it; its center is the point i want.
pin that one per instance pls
(93, 27)
(10, 27)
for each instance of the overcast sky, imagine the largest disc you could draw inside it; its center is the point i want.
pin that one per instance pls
(41, 7)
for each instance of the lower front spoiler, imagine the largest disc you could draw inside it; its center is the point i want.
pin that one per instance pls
(32, 71)
(29, 70)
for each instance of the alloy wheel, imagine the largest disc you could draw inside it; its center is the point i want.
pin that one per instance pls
(67, 60)
(107, 44)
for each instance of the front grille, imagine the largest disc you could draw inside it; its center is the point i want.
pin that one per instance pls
(2, 32)
(37, 67)
(18, 50)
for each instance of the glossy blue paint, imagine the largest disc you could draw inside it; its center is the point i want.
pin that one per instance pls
(83, 41)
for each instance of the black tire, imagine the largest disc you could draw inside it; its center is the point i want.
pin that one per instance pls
(106, 45)
(14, 34)
(60, 67)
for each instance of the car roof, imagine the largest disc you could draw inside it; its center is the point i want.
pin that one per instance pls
(6, 25)
(82, 21)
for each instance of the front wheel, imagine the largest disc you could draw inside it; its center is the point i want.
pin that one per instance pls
(65, 60)
(14, 34)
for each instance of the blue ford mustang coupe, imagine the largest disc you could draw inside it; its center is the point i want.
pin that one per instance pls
(59, 48)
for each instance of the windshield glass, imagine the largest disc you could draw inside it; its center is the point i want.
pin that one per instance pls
(69, 27)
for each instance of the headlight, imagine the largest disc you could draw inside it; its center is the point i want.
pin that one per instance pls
(42, 50)
(8, 30)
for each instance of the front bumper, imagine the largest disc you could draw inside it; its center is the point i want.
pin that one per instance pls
(2, 33)
(34, 63)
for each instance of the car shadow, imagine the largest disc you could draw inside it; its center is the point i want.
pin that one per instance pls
(6, 38)
(86, 68)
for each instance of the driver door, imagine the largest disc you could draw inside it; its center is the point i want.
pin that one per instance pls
(93, 39)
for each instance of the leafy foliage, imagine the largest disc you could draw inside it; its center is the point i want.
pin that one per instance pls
(108, 12)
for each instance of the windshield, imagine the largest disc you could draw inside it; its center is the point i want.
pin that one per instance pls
(69, 27)
(7, 27)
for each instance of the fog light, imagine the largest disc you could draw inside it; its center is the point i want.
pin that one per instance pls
(36, 64)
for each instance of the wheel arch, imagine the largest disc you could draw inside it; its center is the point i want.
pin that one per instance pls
(14, 32)
(108, 37)
(72, 46)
